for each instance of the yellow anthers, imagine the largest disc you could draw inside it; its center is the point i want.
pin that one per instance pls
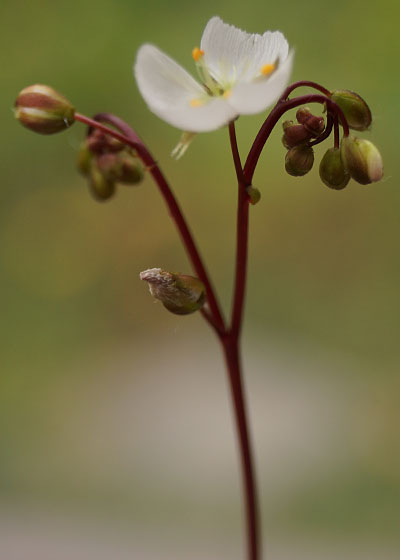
(196, 102)
(267, 69)
(197, 54)
(227, 94)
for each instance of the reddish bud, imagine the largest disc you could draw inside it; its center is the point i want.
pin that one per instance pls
(42, 109)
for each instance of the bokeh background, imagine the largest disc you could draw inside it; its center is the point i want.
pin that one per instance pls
(116, 435)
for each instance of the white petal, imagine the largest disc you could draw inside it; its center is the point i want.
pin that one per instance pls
(248, 98)
(234, 55)
(168, 91)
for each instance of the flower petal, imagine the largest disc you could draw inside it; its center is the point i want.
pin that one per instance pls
(169, 90)
(248, 98)
(233, 55)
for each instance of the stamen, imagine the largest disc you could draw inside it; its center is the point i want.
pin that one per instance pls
(197, 54)
(227, 94)
(196, 102)
(267, 69)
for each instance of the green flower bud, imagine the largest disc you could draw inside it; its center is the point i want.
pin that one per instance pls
(355, 109)
(254, 194)
(101, 187)
(42, 109)
(332, 171)
(130, 172)
(362, 160)
(179, 293)
(121, 167)
(84, 159)
(299, 160)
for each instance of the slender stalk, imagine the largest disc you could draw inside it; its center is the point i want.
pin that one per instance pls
(242, 234)
(231, 346)
(231, 351)
(130, 138)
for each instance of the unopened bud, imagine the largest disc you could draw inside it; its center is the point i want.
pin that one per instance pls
(121, 167)
(42, 109)
(254, 194)
(362, 159)
(355, 109)
(299, 160)
(332, 171)
(101, 143)
(101, 187)
(130, 172)
(312, 123)
(294, 134)
(84, 159)
(179, 293)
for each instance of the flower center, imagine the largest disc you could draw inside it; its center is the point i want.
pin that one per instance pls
(214, 88)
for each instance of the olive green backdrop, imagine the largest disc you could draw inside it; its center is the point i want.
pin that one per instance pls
(115, 425)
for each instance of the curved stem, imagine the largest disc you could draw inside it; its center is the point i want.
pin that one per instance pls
(232, 358)
(280, 108)
(130, 138)
(303, 83)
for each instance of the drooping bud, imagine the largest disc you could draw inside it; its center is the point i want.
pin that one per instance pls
(355, 109)
(294, 134)
(332, 171)
(130, 171)
(101, 187)
(312, 123)
(100, 143)
(42, 109)
(179, 293)
(83, 161)
(254, 194)
(122, 167)
(362, 159)
(299, 160)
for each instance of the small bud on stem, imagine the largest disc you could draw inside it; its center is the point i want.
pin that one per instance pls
(42, 109)
(179, 293)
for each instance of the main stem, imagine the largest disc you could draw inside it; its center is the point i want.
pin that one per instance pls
(231, 346)
(231, 350)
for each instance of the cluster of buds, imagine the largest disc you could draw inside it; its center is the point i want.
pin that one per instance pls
(106, 161)
(179, 293)
(297, 137)
(354, 158)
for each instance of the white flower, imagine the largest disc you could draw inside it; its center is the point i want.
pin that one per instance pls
(240, 74)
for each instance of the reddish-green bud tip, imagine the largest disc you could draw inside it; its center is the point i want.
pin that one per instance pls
(355, 109)
(362, 159)
(332, 171)
(179, 293)
(42, 109)
(299, 160)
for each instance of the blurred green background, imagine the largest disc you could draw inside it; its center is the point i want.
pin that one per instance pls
(115, 434)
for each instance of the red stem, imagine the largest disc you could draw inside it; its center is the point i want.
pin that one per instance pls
(242, 233)
(130, 138)
(303, 83)
(231, 351)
